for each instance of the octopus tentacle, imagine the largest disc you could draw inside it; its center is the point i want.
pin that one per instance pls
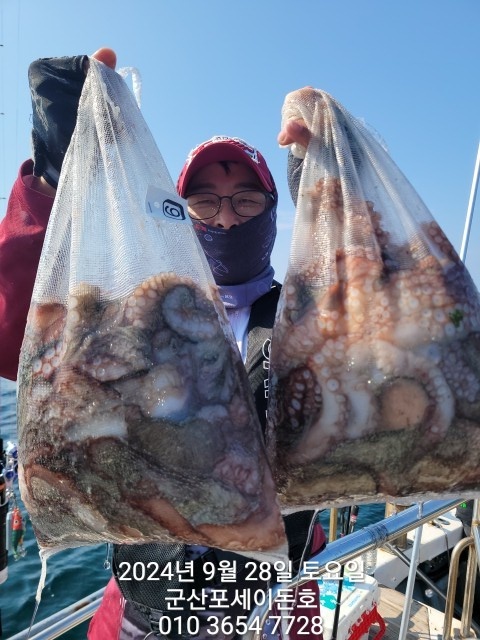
(415, 393)
(189, 315)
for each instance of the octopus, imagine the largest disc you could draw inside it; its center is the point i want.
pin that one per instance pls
(136, 423)
(375, 355)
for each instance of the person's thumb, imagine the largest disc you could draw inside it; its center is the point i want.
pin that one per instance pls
(107, 56)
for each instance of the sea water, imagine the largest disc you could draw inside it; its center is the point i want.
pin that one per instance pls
(74, 573)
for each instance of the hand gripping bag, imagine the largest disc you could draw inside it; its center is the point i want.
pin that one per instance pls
(136, 421)
(375, 355)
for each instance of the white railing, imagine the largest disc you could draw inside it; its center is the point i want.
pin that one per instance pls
(342, 550)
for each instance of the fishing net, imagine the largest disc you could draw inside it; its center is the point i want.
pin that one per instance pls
(375, 358)
(136, 421)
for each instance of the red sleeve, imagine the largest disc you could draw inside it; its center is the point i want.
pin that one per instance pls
(22, 232)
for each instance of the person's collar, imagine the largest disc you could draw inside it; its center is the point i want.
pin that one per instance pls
(245, 294)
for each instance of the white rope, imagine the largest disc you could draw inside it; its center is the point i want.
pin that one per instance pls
(136, 81)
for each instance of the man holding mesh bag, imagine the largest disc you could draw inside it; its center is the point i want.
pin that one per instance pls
(230, 168)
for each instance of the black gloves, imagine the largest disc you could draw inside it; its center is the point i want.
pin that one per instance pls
(294, 172)
(55, 87)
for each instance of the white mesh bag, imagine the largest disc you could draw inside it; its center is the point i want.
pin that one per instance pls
(375, 358)
(136, 421)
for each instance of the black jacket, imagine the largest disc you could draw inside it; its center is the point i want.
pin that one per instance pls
(262, 317)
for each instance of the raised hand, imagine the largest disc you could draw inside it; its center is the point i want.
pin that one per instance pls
(55, 87)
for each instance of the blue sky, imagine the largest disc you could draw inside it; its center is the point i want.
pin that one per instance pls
(408, 68)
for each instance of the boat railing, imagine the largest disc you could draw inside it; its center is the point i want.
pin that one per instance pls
(338, 551)
(465, 543)
(470, 582)
(64, 620)
(346, 549)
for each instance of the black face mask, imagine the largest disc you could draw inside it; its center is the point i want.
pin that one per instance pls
(238, 255)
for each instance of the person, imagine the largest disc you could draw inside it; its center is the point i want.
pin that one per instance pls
(232, 200)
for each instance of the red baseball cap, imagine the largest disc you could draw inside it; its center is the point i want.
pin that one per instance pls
(224, 149)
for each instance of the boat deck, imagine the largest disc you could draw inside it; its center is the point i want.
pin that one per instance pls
(425, 622)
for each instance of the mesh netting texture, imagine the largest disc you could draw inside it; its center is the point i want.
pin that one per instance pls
(375, 358)
(136, 421)
(160, 560)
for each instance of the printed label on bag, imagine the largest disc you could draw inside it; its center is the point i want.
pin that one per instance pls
(164, 205)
